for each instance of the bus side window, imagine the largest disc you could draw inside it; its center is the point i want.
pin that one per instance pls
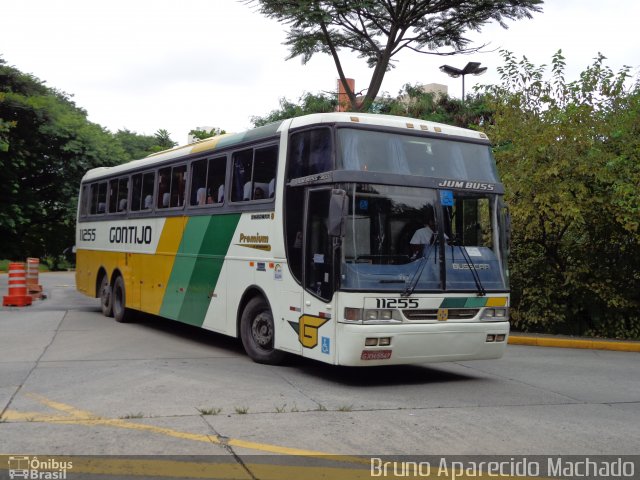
(84, 201)
(123, 194)
(264, 172)
(98, 198)
(147, 190)
(309, 153)
(215, 179)
(198, 193)
(164, 187)
(207, 182)
(142, 191)
(253, 173)
(113, 195)
(118, 193)
(241, 175)
(178, 183)
(136, 192)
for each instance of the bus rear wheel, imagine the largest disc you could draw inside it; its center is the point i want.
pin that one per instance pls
(119, 299)
(257, 331)
(106, 298)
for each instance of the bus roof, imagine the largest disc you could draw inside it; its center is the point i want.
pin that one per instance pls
(221, 142)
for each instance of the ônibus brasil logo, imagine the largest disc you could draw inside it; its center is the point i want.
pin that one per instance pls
(35, 468)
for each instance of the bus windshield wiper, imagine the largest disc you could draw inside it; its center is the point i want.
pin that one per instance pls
(472, 268)
(419, 269)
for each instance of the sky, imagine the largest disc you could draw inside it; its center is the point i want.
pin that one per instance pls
(146, 65)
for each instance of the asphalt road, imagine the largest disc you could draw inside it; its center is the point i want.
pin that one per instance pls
(73, 382)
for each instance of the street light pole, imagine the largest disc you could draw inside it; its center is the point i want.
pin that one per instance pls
(472, 68)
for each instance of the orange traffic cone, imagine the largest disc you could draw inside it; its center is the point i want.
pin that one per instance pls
(34, 289)
(17, 287)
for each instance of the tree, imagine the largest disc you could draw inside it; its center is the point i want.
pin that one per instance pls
(4, 130)
(414, 102)
(307, 104)
(202, 134)
(569, 155)
(377, 30)
(163, 139)
(135, 145)
(50, 144)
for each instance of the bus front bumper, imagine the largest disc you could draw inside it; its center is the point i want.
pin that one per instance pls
(420, 343)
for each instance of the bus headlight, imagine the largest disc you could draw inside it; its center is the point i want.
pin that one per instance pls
(497, 314)
(382, 316)
(371, 315)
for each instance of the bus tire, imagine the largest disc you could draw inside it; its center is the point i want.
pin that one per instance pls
(257, 330)
(119, 301)
(106, 298)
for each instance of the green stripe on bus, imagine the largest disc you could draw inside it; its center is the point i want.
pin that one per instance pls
(455, 302)
(464, 302)
(197, 267)
(475, 302)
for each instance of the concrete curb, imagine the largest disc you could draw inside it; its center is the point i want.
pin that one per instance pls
(568, 342)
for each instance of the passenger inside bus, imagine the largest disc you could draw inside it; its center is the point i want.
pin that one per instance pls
(163, 190)
(201, 196)
(425, 235)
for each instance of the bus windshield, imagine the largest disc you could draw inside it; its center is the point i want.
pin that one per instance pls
(420, 239)
(376, 151)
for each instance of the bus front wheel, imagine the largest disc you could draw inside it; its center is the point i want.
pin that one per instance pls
(106, 297)
(119, 301)
(257, 331)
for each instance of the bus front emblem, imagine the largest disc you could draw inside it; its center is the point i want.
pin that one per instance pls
(307, 329)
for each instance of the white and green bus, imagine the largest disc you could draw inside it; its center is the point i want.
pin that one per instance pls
(352, 239)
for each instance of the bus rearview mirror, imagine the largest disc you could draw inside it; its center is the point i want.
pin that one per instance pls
(338, 209)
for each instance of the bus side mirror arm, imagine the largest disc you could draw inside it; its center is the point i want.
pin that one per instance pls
(338, 209)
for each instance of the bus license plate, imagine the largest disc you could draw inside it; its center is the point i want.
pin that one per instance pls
(375, 355)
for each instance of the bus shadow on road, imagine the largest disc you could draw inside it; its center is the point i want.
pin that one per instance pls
(349, 376)
(189, 332)
(378, 375)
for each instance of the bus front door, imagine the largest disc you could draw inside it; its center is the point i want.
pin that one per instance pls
(317, 325)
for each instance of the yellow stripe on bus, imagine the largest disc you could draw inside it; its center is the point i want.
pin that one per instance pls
(159, 266)
(496, 302)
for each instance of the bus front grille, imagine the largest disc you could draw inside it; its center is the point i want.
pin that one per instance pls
(432, 314)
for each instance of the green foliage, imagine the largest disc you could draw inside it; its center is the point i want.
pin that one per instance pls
(4, 129)
(569, 155)
(46, 146)
(136, 146)
(163, 140)
(308, 103)
(50, 146)
(204, 134)
(56, 263)
(414, 102)
(377, 30)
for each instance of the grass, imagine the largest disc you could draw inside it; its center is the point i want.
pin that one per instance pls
(345, 408)
(209, 411)
(242, 410)
(132, 415)
(281, 409)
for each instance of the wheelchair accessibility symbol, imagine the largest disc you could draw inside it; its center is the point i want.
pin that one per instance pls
(326, 345)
